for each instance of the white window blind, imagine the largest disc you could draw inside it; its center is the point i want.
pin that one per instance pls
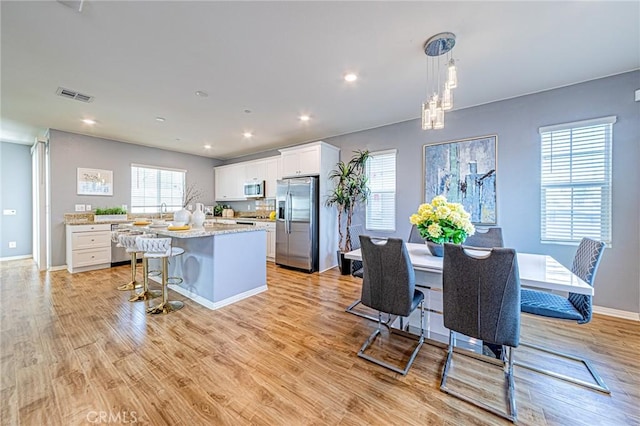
(152, 186)
(381, 205)
(576, 181)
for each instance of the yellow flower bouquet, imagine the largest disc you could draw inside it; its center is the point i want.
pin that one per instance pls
(443, 222)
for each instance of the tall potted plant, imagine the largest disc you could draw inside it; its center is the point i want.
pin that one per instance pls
(351, 189)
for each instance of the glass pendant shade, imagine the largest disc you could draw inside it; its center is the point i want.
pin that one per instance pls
(447, 99)
(426, 117)
(439, 121)
(452, 75)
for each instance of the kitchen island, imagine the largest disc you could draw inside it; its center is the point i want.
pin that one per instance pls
(222, 263)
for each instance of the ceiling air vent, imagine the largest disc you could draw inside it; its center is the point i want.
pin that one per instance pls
(72, 94)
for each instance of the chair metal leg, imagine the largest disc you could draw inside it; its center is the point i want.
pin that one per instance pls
(133, 284)
(375, 334)
(508, 371)
(360, 314)
(599, 385)
(146, 293)
(167, 305)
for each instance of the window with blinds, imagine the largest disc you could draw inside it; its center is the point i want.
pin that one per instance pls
(152, 186)
(381, 205)
(576, 181)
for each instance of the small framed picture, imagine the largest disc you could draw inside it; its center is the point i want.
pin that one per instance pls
(95, 182)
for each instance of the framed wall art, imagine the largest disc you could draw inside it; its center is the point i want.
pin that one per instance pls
(464, 171)
(95, 182)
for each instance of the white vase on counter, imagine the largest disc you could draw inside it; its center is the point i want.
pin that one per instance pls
(183, 215)
(198, 216)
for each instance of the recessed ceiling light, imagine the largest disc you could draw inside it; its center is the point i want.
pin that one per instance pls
(207, 147)
(247, 111)
(89, 121)
(350, 77)
(160, 119)
(247, 134)
(304, 118)
(202, 94)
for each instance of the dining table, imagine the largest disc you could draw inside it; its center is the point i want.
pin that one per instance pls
(537, 271)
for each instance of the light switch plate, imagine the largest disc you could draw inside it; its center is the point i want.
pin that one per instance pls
(88, 207)
(12, 244)
(79, 207)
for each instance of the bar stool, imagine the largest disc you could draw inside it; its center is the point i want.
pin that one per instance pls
(132, 250)
(160, 248)
(129, 242)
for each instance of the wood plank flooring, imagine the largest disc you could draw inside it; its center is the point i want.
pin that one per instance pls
(74, 351)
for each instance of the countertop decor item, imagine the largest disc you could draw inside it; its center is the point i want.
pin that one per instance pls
(442, 222)
(198, 216)
(110, 214)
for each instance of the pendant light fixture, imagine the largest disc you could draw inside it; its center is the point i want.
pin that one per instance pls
(442, 78)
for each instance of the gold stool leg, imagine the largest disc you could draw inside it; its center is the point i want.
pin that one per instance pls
(133, 284)
(167, 305)
(146, 293)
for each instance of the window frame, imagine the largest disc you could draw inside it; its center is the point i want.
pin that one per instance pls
(575, 183)
(368, 225)
(150, 209)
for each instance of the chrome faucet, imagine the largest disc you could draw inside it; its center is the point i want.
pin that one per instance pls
(163, 209)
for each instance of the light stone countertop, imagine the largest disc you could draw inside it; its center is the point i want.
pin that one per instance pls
(207, 231)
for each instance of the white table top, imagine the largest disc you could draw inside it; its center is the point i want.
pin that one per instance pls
(536, 270)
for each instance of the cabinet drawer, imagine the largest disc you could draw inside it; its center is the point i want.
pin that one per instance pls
(88, 240)
(90, 228)
(91, 257)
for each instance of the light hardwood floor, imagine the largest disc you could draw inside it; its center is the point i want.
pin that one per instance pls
(74, 349)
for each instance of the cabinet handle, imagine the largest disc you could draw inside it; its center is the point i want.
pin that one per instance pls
(92, 240)
(92, 257)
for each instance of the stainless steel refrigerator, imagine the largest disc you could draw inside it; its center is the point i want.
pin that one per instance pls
(297, 223)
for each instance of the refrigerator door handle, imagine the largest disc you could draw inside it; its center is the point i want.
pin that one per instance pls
(290, 210)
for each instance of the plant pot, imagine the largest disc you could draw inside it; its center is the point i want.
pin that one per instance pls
(435, 249)
(110, 218)
(344, 264)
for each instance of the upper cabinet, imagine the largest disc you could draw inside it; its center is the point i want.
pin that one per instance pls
(301, 161)
(229, 182)
(230, 179)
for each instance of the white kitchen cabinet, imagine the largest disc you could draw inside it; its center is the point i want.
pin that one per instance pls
(254, 171)
(88, 247)
(228, 182)
(301, 161)
(274, 173)
(271, 241)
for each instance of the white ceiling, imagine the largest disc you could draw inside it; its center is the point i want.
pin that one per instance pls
(143, 59)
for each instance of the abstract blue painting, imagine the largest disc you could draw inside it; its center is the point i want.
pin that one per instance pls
(464, 171)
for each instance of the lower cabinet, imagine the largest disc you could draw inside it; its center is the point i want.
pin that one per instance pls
(88, 247)
(271, 242)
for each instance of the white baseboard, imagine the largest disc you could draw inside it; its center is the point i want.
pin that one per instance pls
(57, 268)
(216, 305)
(24, 256)
(616, 313)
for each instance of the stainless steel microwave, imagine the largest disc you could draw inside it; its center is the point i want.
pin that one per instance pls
(254, 189)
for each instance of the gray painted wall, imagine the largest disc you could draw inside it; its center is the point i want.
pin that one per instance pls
(516, 122)
(15, 175)
(68, 151)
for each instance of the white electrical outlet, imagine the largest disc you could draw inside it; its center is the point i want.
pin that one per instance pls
(124, 206)
(88, 207)
(9, 212)
(79, 207)
(12, 244)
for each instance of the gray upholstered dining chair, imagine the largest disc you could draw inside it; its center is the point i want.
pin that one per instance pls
(358, 271)
(492, 237)
(481, 299)
(575, 307)
(414, 236)
(389, 287)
